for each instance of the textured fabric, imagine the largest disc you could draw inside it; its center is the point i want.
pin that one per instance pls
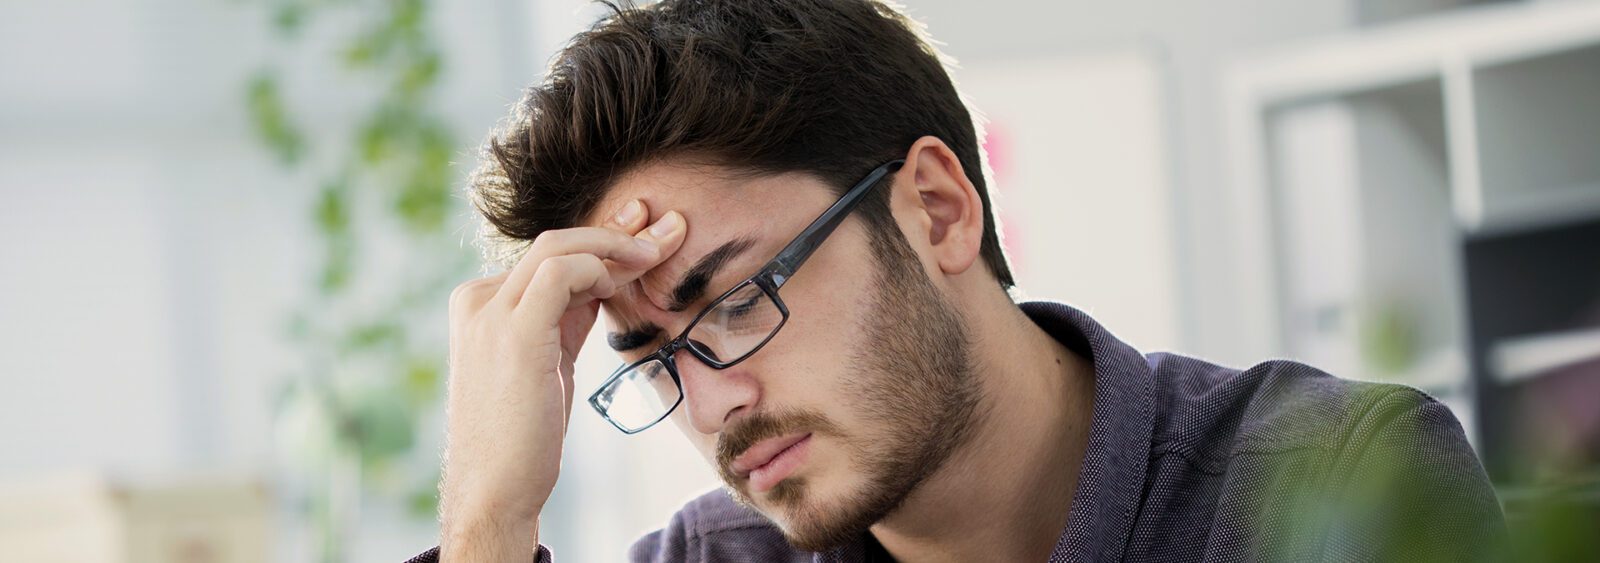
(1190, 461)
(432, 556)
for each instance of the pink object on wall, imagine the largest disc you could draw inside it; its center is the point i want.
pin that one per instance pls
(997, 148)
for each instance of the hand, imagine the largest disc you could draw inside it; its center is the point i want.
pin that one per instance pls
(513, 340)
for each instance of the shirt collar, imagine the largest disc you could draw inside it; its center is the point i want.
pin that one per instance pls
(1111, 478)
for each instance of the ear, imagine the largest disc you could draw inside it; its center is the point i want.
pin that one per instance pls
(946, 216)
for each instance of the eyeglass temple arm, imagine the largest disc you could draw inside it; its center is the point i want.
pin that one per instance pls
(795, 255)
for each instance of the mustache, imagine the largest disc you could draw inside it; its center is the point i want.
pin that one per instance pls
(764, 425)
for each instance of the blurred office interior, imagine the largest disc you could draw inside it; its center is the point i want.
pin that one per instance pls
(228, 229)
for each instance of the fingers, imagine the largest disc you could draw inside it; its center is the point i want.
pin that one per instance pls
(626, 221)
(611, 241)
(667, 234)
(571, 280)
(573, 274)
(566, 268)
(596, 241)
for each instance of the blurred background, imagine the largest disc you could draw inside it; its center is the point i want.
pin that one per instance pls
(228, 231)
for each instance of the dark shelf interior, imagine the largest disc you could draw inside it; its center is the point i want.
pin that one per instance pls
(1535, 282)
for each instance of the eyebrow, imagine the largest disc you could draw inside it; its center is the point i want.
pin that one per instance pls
(690, 289)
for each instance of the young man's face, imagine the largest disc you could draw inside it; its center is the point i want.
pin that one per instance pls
(869, 380)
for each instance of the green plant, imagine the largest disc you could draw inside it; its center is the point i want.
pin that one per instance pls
(371, 364)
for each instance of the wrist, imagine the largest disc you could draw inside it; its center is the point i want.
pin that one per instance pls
(488, 535)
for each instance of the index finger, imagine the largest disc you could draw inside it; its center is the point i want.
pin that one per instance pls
(630, 218)
(667, 233)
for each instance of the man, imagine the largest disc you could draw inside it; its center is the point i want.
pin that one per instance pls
(779, 207)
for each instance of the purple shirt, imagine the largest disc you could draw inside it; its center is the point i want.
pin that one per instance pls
(1190, 461)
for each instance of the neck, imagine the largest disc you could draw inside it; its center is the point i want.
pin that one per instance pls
(1006, 494)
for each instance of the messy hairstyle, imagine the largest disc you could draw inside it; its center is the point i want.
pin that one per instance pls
(830, 88)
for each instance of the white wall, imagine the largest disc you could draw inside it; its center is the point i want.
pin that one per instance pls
(1078, 149)
(1195, 39)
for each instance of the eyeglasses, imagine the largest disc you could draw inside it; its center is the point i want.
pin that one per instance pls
(726, 332)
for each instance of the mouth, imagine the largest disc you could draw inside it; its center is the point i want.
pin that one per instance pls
(770, 461)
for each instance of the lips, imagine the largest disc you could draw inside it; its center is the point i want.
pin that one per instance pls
(763, 452)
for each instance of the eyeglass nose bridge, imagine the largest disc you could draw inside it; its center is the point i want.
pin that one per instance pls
(669, 355)
(671, 349)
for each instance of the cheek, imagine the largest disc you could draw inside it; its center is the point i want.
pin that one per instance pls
(705, 443)
(824, 340)
(818, 353)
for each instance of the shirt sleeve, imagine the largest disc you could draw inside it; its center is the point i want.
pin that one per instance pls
(1411, 489)
(432, 556)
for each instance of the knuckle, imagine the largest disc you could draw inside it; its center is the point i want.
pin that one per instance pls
(547, 238)
(468, 292)
(458, 295)
(554, 268)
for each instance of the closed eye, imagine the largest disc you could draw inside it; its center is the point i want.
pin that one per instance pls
(741, 309)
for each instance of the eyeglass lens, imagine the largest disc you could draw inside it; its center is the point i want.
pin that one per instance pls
(732, 329)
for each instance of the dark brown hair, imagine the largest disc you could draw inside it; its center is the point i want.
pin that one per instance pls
(832, 88)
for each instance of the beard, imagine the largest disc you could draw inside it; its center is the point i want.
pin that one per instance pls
(916, 393)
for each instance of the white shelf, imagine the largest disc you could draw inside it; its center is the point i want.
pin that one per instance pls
(1390, 55)
(1522, 211)
(1475, 123)
(1536, 149)
(1520, 359)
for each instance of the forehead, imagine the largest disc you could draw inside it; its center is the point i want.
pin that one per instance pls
(719, 205)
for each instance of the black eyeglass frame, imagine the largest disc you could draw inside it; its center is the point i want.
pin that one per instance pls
(769, 279)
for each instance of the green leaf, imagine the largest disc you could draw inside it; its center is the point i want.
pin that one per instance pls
(288, 18)
(422, 381)
(270, 119)
(423, 503)
(407, 17)
(337, 266)
(375, 334)
(333, 209)
(1389, 337)
(424, 200)
(382, 424)
(377, 136)
(368, 48)
(420, 74)
(332, 216)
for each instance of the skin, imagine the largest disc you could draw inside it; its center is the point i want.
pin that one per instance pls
(1002, 494)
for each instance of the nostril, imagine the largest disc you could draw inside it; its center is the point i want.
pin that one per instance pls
(731, 414)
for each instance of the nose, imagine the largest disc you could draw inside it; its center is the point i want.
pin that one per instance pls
(714, 397)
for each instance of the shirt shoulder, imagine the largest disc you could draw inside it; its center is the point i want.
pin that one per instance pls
(1283, 461)
(1210, 413)
(713, 527)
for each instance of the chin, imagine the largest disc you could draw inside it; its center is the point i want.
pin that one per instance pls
(816, 514)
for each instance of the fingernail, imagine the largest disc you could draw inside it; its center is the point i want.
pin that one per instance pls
(665, 226)
(629, 213)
